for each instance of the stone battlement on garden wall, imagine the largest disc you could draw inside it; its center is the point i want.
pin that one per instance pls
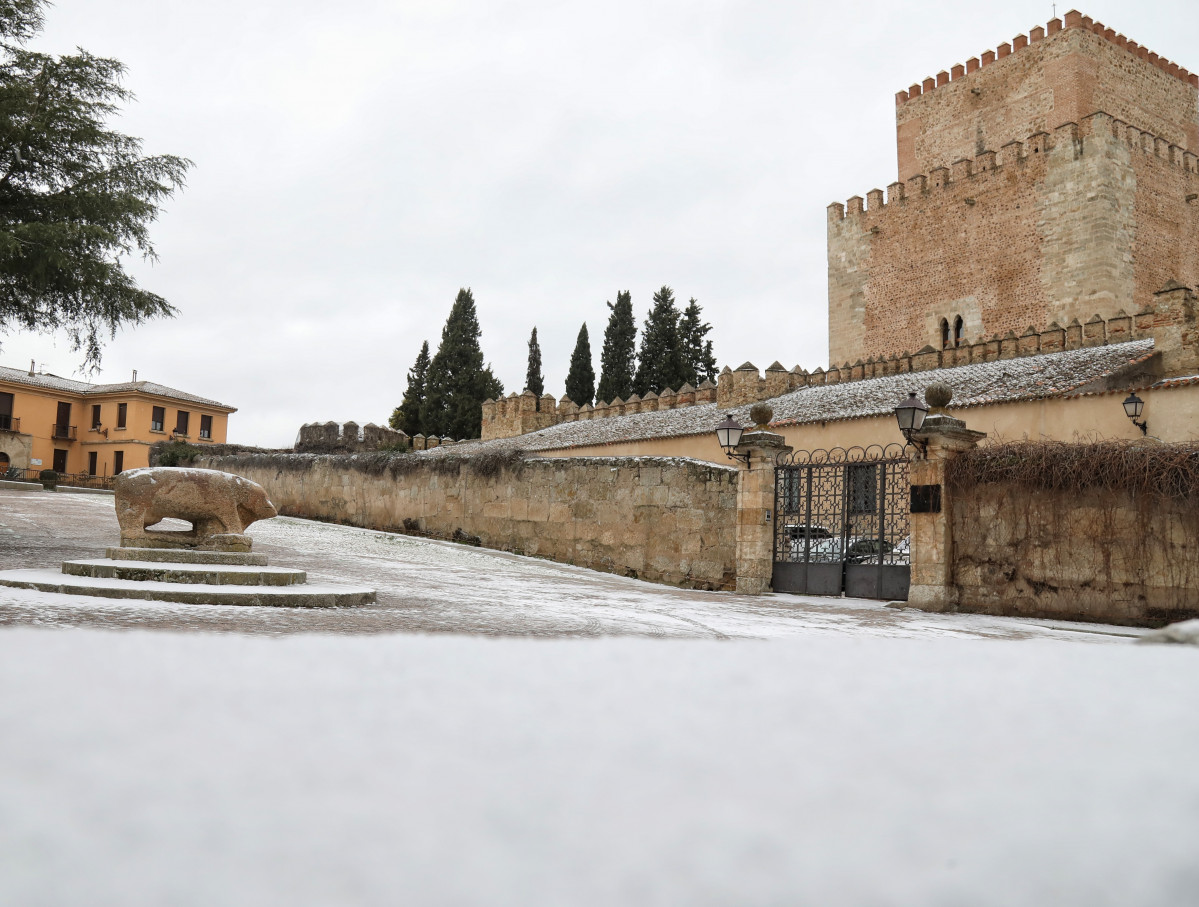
(1171, 322)
(349, 437)
(519, 414)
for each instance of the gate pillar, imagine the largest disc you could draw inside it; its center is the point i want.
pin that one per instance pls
(933, 587)
(755, 510)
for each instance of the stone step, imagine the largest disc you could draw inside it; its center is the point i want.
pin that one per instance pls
(314, 595)
(184, 556)
(202, 574)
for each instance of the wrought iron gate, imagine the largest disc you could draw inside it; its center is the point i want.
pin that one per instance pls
(841, 522)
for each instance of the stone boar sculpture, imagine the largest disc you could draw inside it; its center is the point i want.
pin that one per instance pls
(218, 505)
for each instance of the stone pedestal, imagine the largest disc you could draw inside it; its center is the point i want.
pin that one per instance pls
(932, 586)
(755, 511)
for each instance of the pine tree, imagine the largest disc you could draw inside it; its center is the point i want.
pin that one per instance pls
(534, 380)
(618, 357)
(457, 383)
(76, 197)
(698, 362)
(580, 380)
(406, 417)
(660, 360)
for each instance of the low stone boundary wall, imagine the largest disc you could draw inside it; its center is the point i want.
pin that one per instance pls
(1113, 554)
(662, 519)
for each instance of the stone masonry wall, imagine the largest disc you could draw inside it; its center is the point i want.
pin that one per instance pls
(1088, 222)
(661, 519)
(1037, 83)
(1094, 556)
(348, 437)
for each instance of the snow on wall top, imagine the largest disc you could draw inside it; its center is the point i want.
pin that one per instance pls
(977, 384)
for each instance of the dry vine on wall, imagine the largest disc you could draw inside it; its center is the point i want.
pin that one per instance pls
(1095, 530)
(1164, 472)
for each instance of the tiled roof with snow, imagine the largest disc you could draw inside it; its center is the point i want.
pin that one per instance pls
(977, 384)
(69, 385)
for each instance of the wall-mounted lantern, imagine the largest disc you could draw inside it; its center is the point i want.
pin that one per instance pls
(1133, 407)
(728, 434)
(910, 414)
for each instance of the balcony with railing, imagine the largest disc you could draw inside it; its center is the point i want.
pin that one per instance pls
(63, 432)
(10, 423)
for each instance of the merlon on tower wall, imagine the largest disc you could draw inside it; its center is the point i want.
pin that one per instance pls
(1038, 82)
(1090, 220)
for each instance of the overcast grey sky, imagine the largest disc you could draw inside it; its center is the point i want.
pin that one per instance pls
(356, 163)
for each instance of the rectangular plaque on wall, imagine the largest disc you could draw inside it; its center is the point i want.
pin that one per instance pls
(926, 499)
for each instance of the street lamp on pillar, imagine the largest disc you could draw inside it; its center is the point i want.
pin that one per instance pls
(1133, 407)
(728, 434)
(910, 414)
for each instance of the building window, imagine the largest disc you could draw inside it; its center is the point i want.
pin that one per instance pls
(95, 417)
(206, 427)
(958, 327)
(92, 457)
(122, 411)
(6, 412)
(181, 423)
(118, 461)
(158, 416)
(944, 334)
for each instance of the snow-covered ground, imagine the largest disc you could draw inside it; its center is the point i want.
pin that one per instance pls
(156, 768)
(431, 586)
(850, 754)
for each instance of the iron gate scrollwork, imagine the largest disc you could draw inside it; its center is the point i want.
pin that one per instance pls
(841, 522)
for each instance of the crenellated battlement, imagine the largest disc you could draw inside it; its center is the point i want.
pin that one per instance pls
(517, 414)
(349, 437)
(1073, 19)
(1170, 322)
(974, 173)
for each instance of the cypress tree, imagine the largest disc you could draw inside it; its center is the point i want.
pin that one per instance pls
(406, 417)
(534, 380)
(618, 357)
(660, 360)
(457, 383)
(698, 362)
(580, 380)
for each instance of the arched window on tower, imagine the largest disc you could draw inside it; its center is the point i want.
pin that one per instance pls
(944, 334)
(958, 327)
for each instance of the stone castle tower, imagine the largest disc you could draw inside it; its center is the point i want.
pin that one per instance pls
(1049, 182)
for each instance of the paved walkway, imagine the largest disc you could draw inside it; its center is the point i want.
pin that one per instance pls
(431, 587)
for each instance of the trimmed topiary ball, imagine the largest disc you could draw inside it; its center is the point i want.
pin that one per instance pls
(938, 394)
(761, 414)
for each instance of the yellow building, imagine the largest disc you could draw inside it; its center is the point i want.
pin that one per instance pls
(48, 422)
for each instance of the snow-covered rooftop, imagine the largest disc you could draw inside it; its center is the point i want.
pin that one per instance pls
(55, 383)
(1001, 381)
